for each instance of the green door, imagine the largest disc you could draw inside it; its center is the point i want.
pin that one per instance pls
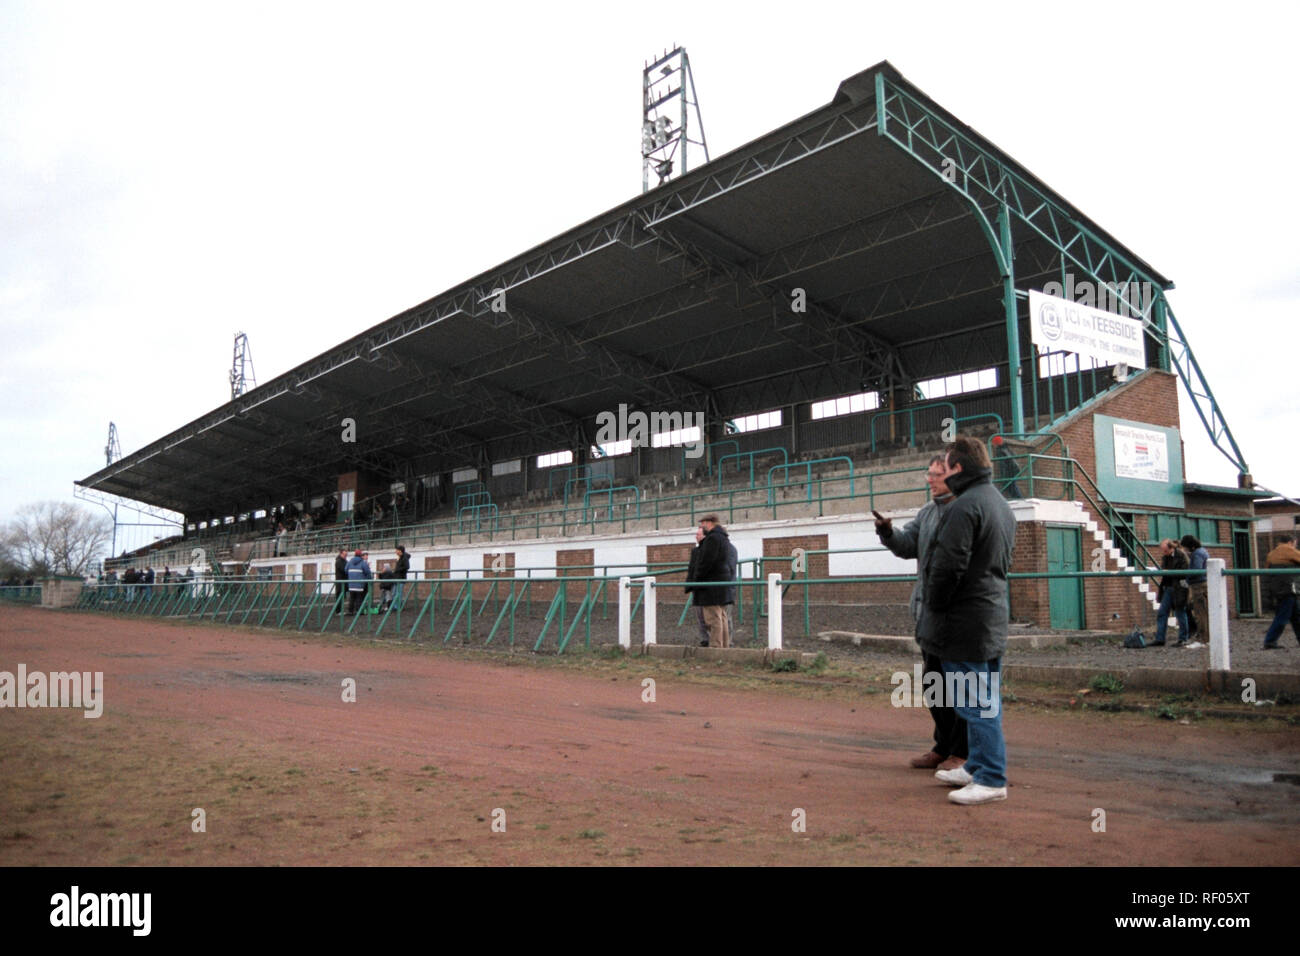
(1242, 558)
(1065, 594)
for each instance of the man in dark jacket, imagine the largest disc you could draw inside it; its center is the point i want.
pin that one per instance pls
(340, 579)
(1172, 593)
(398, 573)
(914, 541)
(691, 569)
(966, 619)
(717, 562)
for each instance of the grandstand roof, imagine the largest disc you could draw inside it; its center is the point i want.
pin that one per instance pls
(680, 299)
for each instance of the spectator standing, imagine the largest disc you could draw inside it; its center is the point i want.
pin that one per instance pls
(359, 578)
(914, 541)
(398, 573)
(717, 562)
(1172, 593)
(340, 578)
(1198, 609)
(967, 615)
(691, 571)
(1281, 590)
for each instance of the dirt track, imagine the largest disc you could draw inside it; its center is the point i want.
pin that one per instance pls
(250, 727)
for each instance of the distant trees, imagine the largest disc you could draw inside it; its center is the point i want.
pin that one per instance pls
(53, 537)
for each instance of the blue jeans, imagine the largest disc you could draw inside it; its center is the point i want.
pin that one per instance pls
(986, 760)
(1162, 617)
(1285, 608)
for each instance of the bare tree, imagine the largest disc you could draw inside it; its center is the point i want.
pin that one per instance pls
(55, 537)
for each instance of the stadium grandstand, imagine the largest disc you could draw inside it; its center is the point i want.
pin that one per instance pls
(782, 336)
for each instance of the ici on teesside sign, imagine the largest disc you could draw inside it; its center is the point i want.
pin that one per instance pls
(1062, 325)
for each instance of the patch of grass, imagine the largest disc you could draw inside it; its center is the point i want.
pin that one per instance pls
(844, 838)
(1106, 706)
(785, 665)
(430, 769)
(612, 652)
(295, 772)
(541, 826)
(1106, 684)
(1167, 712)
(819, 664)
(590, 834)
(1176, 698)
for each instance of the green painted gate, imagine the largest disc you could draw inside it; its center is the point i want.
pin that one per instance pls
(1065, 594)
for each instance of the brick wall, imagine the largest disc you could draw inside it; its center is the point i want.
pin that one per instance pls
(1102, 597)
(575, 563)
(484, 588)
(1152, 398)
(669, 554)
(776, 559)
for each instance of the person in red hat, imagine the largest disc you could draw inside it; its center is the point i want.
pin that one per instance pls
(359, 578)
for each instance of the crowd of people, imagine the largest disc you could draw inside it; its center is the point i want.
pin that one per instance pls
(353, 576)
(1184, 597)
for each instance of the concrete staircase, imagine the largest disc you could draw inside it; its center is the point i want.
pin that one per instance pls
(1095, 528)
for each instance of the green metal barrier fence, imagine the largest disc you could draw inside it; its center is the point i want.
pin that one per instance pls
(20, 594)
(487, 610)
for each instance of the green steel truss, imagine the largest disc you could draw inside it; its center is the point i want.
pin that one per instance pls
(998, 194)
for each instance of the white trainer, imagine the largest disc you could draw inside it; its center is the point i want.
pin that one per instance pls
(957, 777)
(974, 793)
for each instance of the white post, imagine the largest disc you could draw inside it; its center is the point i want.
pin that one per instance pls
(625, 612)
(774, 612)
(1216, 591)
(651, 625)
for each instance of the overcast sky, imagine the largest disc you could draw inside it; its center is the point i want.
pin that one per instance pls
(174, 173)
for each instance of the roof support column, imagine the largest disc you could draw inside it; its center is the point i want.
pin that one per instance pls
(1162, 341)
(1015, 370)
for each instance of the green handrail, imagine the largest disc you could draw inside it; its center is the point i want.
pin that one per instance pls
(751, 455)
(910, 411)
